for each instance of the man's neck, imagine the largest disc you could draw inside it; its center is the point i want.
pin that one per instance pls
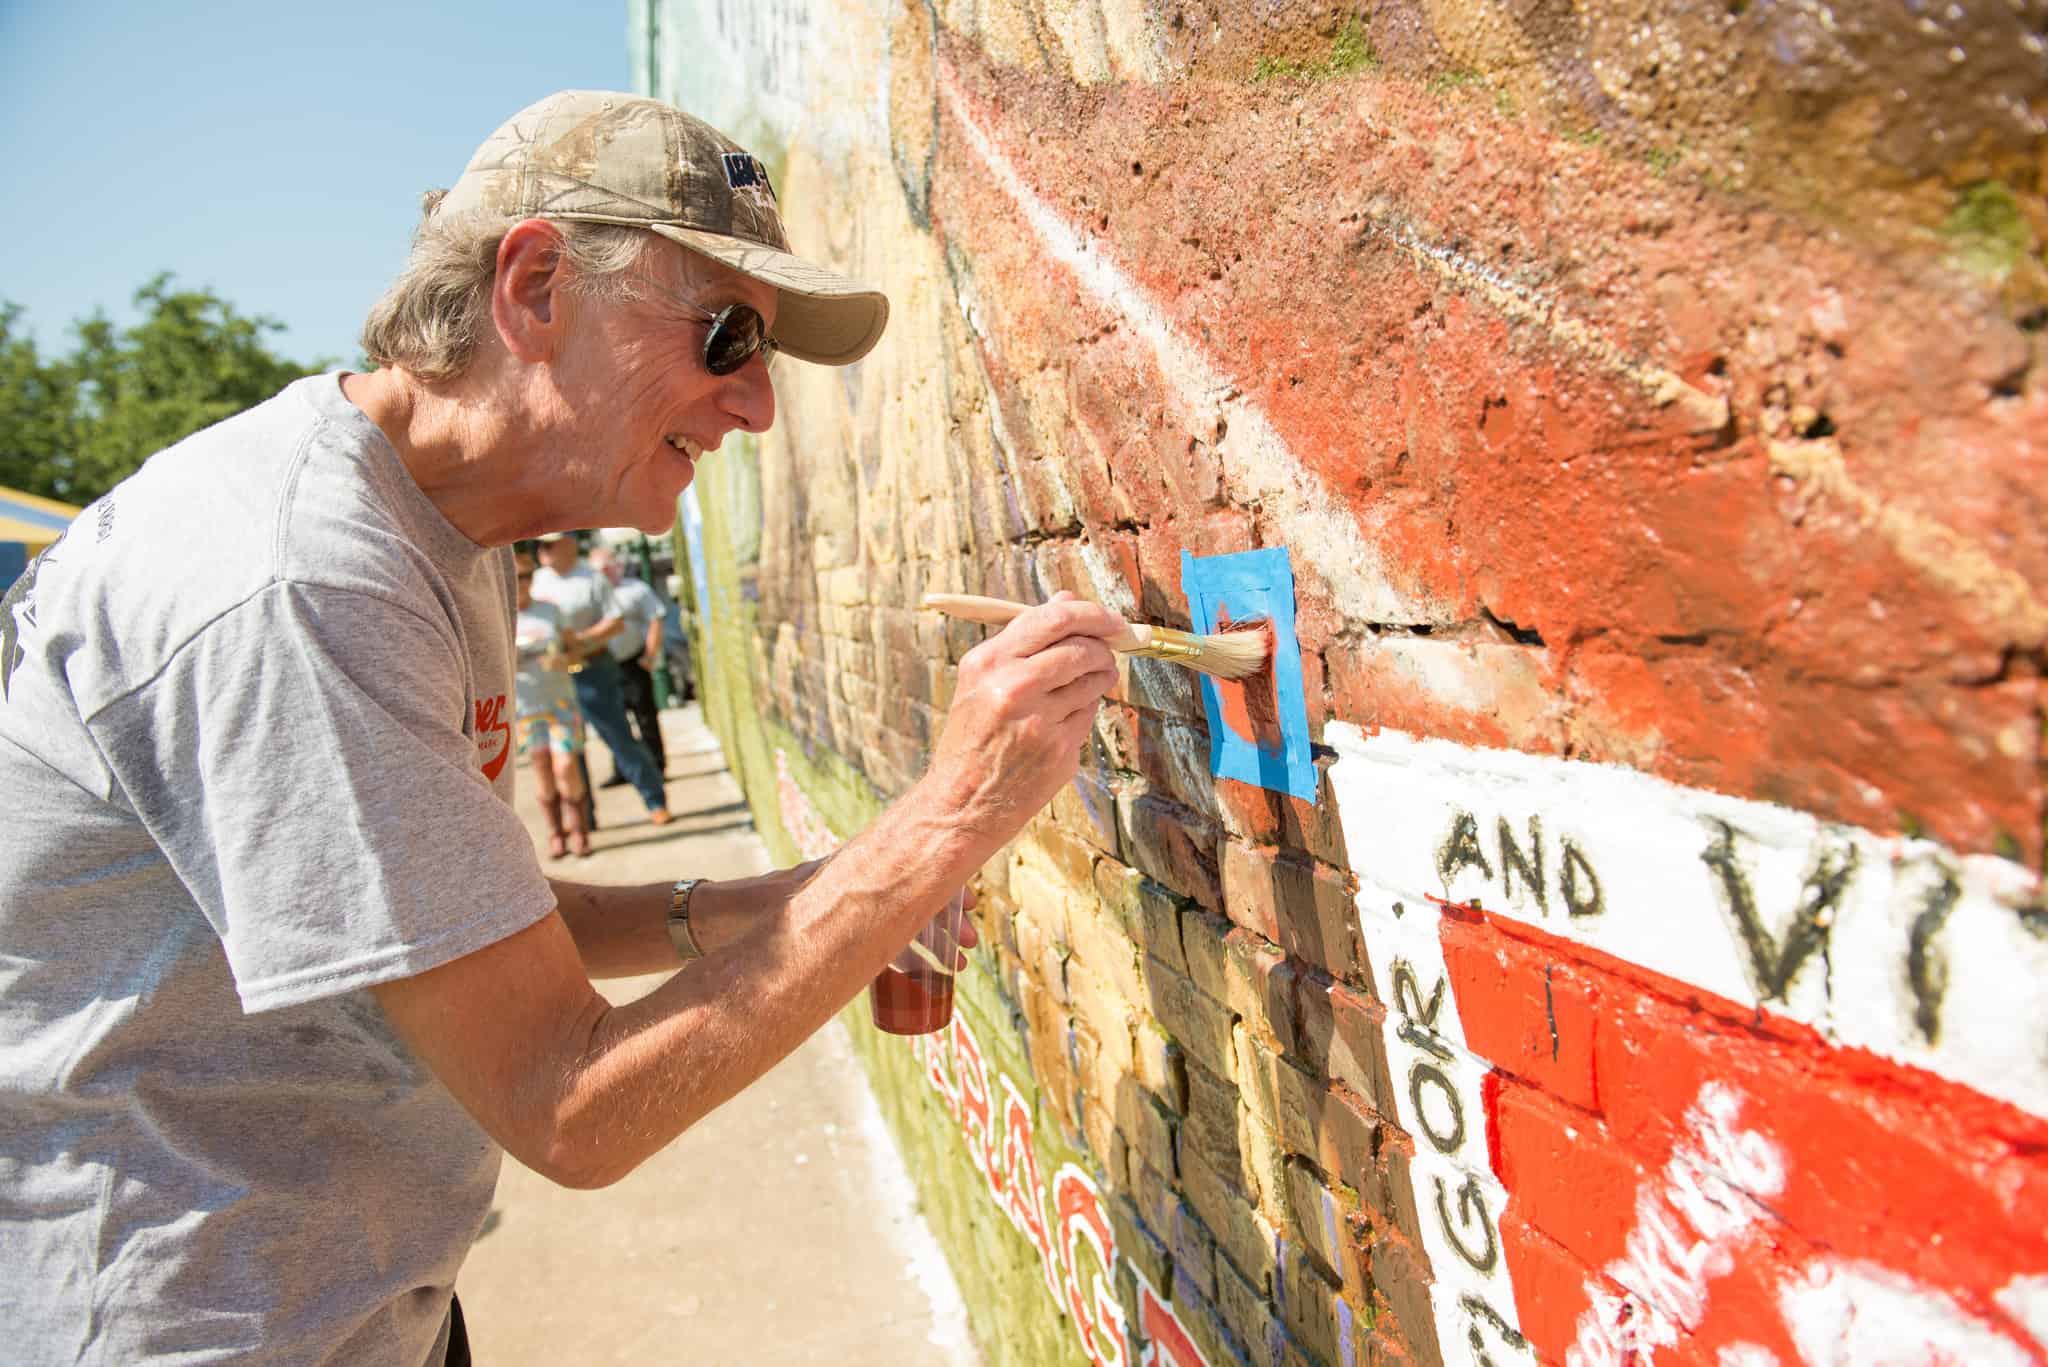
(463, 451)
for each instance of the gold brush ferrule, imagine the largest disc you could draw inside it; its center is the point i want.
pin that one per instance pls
(1169, 644)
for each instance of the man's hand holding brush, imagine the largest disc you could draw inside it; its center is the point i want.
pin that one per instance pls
(1025, 702)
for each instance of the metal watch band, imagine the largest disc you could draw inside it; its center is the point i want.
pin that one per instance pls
(679, 919)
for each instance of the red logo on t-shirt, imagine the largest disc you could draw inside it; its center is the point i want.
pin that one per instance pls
(493, 735)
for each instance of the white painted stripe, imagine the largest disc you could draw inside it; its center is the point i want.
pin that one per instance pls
(1899, 946)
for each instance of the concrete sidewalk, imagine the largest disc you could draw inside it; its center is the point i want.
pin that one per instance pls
(781, 1229)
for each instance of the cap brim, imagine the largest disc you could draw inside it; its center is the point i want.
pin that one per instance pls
(821, 316)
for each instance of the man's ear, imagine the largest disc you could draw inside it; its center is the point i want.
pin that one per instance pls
(526, 291)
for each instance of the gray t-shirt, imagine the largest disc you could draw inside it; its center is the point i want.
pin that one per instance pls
(254, 734)
(583, 595)
(640, 608)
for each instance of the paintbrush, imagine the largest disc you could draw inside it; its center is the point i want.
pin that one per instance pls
(1225, 654)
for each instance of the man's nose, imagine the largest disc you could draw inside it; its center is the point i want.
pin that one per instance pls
(750, 396)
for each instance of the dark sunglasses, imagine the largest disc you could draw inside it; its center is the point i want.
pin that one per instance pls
(737, 332)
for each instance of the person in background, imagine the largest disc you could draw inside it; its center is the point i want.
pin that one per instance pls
(637, 648)
(282, 975)
(591, 617)
(547, 725)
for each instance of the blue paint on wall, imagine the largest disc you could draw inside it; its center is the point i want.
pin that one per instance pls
(1242, 587)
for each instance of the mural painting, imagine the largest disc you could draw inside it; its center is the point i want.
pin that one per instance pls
(1708, 1047)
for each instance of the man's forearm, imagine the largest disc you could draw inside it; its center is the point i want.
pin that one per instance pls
(653, 1067)
(621, 932)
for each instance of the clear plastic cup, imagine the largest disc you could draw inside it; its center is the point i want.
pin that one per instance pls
(914, 994)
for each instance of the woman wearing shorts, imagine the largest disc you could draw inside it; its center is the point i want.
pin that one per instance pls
(549, 728)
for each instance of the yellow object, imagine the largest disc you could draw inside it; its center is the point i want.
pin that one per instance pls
(33, 521)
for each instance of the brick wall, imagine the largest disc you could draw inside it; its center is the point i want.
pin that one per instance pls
(1649, 402)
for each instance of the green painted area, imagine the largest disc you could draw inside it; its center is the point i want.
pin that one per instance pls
(1016, 1320)
(1986, 232)
(1350, 51)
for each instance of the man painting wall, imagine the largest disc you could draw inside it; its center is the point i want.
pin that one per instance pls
(280, 974)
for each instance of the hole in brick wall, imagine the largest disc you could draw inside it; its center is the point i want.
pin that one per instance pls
(1718, 366)
(1526, 636)
(2035, 321)
(1137, 168)
(2010, 386)
(1821, 426)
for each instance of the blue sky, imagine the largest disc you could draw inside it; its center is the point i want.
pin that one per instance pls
(273, 152)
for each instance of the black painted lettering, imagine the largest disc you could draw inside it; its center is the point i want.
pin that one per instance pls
(1470, 1198)
(1773, 964)
(1418, 1021)
(1461, 850)
(1926, 965)
(1481, 1310)
(1530, 866)
(1577, 881)
(1429, 1073)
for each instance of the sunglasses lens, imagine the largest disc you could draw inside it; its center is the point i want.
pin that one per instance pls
(734, 338)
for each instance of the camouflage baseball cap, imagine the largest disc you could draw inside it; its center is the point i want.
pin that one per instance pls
(597, 156)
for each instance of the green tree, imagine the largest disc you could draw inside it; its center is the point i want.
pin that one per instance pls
(72, 427)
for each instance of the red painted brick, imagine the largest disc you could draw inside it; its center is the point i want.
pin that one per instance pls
(1523, 1010)
(1569, 1176)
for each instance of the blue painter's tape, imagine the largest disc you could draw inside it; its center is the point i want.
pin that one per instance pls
(1245, 586)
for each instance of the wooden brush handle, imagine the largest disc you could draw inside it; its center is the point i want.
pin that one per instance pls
(998, 612)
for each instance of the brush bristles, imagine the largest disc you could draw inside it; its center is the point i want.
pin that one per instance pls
(1225, 654)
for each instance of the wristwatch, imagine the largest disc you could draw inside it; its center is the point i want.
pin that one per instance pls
(679, 919)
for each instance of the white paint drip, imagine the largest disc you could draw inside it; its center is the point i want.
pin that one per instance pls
(1853, 1314)
(1688, 1229)
(1256, 461)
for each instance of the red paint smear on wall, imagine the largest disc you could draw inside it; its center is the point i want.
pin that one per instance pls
(1250, 705)
(1886, 1166)
(1497, 464)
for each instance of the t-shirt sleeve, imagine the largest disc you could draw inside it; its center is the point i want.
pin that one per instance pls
(305, 765)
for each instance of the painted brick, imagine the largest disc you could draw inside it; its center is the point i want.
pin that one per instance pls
(1308, 1301)
(1252, 1319)
(1088, 808)
(1326, 1224)
(1170, 844)
(1148, 913)
(1400, 1280)
(1136, 1242)
(1098, 943)
(1244, 1235)
(1571, 1178)
(1339, 1034)
(1206, 1326)
(1305, 909)
(1211, 1131)
(1262, 816)
(1524, 1011)
(1159, 1064)
(1199, 1024)
(1178, 1226)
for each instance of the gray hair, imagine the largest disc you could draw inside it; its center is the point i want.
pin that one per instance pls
(430, 321)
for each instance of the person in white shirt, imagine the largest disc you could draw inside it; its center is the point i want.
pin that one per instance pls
(548, 726)
(637, 648)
